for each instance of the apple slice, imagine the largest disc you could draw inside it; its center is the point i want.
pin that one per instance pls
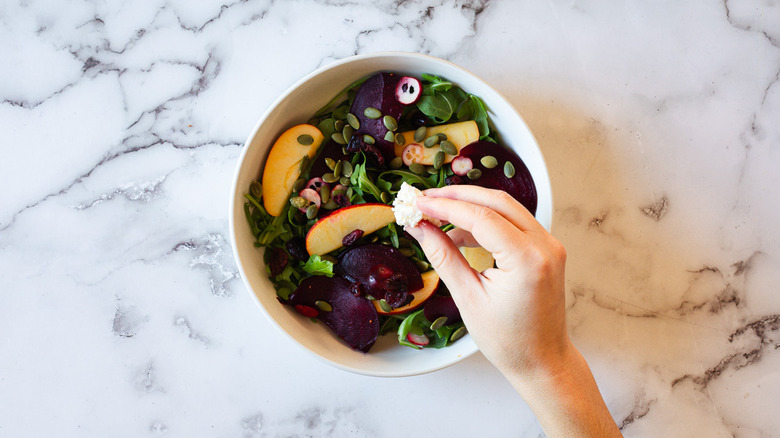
(327, 233)
(478, 257)
(282, 167)
(459, 134)
(419, 297)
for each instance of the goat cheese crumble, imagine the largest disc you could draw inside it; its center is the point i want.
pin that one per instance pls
(405, 209)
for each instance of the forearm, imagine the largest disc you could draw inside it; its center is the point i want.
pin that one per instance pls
(565, 398)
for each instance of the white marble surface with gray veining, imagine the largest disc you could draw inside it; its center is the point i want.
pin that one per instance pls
(121, 309)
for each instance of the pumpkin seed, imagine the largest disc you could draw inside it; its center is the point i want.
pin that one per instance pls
(489, 161)
(390, 123)
(338, 125)
(403, 242)
(422, 265)
(384, 306)
(474, 174)
(442, 136)
(304, 163)
(431, 141)
(338, 138)
(448, 147)
(347, 132)
(400, 139)
(431, 170)
(368, 139)
(509, 169)
(420, 133)
(329, 178)
(408, 252)
(437, 323)
(396, 163)
(323, 305)
(372, 113)
(256, 190)
(330, 205)
(346, 169)
(457, 334)
(353, 121)
(390, 137)
(344, 150)
(337, 169)
(385, 197)
(344, 180)
(305, 139)
(311, 211)
(438, 160)
(298, 185)
(350, 192)
(417, 168)
(374, 238)
(330, 162)
(298, 201)
(325, 193)
(385, 242)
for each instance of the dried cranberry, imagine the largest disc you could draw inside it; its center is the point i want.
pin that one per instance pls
(297, 248)
(397, 283)
(341, 199)
(352, 237)
(453, 180)
(277, 261)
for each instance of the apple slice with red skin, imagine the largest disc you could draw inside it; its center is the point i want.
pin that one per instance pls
(419, 297)
(380, 271)
(520, 186)
(328, 233)
(353, 319)
(282, 168)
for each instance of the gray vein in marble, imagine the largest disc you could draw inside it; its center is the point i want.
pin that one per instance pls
(186, 327)
(146, 379)
(641, 408)
(657, 210)
(765, 331)
(212, 255)
(127, 321)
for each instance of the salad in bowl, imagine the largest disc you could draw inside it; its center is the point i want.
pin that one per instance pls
(327, 206)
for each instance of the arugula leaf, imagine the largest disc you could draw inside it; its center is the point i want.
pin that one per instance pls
(480, 116)
(409, 177)
(317, 266)
(433, 84)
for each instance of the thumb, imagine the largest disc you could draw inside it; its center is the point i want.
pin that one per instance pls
(445, 258)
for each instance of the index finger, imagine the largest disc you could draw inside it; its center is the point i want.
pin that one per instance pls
(491, 230)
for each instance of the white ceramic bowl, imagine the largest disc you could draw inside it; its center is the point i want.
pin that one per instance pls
(297, 105)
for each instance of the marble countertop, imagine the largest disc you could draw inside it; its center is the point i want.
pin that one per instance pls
(121, 309)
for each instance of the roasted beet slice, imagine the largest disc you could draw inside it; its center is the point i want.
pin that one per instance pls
(331, 150)
(439, 306)
(382, 271)
(354, 319)
(520, 186)
(378, 92)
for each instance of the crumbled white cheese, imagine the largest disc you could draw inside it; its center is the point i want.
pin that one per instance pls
(405, 209)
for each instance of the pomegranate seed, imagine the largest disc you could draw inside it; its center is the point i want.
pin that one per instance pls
(309, 312)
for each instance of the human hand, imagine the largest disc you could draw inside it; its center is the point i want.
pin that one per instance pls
(515, 312)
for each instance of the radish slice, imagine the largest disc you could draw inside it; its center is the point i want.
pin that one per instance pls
(461, 165)
(412, 153)
(315, 183)
(408, 90)
(420, 340)
(312, 196)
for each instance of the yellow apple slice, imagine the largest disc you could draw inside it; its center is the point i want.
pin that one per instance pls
(479, 258)
(419, 297)
(327, 233)
(283, 166)
(459, 134)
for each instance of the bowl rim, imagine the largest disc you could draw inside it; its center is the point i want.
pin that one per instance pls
(232, 219)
